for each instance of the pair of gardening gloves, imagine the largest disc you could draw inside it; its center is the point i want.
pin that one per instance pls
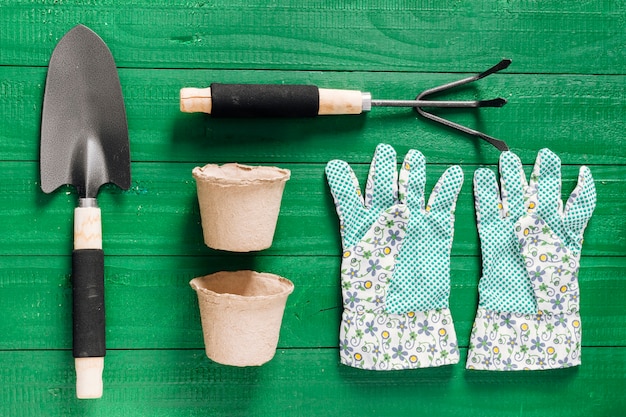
(395, 270)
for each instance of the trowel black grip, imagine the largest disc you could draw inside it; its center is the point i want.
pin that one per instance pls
(264, 100)
(88, 303)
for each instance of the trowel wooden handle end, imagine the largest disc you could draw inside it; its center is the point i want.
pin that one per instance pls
(89, 377)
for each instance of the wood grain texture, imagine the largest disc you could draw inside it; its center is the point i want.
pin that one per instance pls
(579, 37)
(306, 383)
(566, 90)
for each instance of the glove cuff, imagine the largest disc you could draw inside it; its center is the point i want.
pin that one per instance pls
(517, 341)
(384, 341)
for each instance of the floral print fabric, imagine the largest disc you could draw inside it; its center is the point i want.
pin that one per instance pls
(370, 336)
(517, 341)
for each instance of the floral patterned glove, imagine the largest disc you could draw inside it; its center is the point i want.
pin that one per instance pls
(528, 314)
(395, 270)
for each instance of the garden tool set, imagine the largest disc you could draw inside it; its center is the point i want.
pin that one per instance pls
(396, 244)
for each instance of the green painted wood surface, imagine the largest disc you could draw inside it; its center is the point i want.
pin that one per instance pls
(566, 90)
(563, 36)
(306, 383)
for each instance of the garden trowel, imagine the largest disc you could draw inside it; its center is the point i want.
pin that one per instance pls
(84, 143)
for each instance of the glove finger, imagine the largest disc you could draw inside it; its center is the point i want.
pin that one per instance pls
(344, 188)
(513, 185)
(444, 195)
(579, 207)
(382, 182)
(545, 183)
(412, 180)
(486, 196)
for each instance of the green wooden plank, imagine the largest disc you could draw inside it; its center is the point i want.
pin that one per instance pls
(581, 118)
(561, 37)
(150, 304)
(159, 215)
(306, 383)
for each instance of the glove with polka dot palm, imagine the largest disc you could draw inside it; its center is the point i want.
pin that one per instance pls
(395, 270)
(528, 315)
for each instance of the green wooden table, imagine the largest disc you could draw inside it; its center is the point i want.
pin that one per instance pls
(566, 90)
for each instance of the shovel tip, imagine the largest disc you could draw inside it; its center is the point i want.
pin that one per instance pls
(81, 28)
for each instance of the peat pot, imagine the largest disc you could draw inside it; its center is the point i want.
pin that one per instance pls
(239, 205)
(241, 314)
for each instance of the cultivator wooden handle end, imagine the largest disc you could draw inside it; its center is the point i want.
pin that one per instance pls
(271, 100)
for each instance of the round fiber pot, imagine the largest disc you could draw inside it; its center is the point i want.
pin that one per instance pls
(241, 315)
(239, 205)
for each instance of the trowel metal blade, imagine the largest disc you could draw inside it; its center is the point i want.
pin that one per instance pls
(84, 132)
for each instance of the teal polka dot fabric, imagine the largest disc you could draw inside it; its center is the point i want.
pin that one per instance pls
(357, 212)
(421, 280)
(504, 285)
